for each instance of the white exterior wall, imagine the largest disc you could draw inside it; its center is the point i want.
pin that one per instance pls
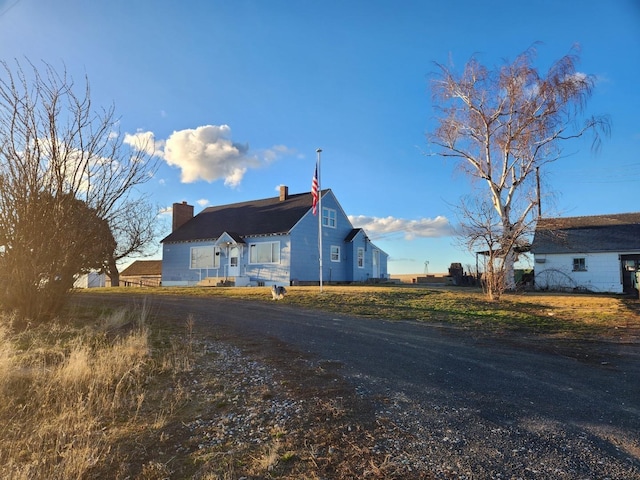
(90, 280)
(603, 272)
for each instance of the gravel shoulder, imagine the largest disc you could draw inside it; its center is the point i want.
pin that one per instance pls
(263, 403)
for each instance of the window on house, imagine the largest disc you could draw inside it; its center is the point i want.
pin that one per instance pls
(205, 257)
(579, 264)
(329, 217)
(360, 257)
(268, 252)
(335, 253)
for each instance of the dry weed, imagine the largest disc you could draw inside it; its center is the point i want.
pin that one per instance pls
(62, 392)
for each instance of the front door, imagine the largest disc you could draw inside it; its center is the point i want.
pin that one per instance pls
(233, 270)
(630, 265)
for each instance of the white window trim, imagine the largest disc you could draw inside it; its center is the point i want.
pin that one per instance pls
(360, 257)
(334, 248)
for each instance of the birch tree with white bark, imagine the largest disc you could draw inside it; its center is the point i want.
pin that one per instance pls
(501, 125)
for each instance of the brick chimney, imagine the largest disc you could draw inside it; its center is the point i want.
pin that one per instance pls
(284, 193)
(182, 213)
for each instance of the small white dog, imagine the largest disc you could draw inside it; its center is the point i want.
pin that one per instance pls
(278, 293)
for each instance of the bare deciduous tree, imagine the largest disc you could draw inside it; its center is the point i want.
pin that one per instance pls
(502, 125)
(67, 184)
(134, 227)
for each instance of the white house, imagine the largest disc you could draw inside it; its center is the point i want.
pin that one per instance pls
(599, 253)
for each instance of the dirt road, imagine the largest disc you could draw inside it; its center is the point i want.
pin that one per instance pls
(441, 402)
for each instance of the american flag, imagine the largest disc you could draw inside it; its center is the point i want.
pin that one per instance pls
(314, 191)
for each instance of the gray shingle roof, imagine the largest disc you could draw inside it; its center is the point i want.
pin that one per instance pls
(597, 233)
(268, 216)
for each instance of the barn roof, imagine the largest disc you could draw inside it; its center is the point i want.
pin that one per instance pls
(269, 216)
(596, 233)
(143, 267)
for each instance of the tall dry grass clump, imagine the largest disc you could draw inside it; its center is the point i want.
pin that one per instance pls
(62, 389)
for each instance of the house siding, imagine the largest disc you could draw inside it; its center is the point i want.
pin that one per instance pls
(268, 273)
(176, 258)
(304, 256)
(602, 274)
(334, 271)
(366, 272)
(360, 274)
(304, 250)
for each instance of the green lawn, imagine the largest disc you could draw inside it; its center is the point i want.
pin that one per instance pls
(533, 312)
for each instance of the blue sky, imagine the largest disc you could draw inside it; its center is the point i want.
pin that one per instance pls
(240, 94)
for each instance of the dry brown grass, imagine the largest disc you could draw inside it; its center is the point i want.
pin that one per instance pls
(69, 394)
(115, 398)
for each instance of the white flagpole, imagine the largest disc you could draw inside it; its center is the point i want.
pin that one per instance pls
(319, 151)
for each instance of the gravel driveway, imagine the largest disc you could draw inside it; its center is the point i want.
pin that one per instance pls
(412, 400)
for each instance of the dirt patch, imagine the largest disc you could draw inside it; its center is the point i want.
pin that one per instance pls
(256, 409)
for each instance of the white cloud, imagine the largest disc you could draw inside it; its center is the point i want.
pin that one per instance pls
(207, 153)
(203, 202)
(166, 210)
(143, 141)
(235, 177)
(277, 151)
(377, 227)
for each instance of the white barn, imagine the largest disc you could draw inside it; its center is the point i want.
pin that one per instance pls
(599, 253)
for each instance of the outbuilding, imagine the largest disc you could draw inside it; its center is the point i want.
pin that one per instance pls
(142, 273)
(598, 253)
